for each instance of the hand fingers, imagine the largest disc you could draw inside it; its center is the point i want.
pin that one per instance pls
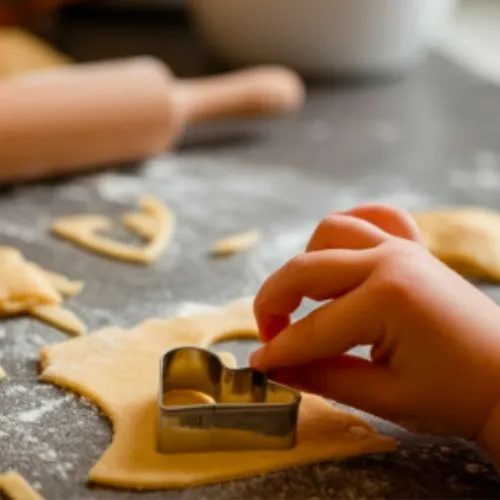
(392, 220)
(319, 276)
(343, 231)
(330, 330)
(349, 380)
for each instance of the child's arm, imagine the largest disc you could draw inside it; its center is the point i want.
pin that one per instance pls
(435, 358)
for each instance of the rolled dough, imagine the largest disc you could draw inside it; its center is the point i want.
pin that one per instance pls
(155, 223)
(466, 239)
(17, 488)
(119, 371)
(26, 288)
(236, 243)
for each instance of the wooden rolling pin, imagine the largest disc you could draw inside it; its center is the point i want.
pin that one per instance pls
(74, 118)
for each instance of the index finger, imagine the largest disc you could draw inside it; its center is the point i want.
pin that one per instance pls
(393, 220)
(322, 275)
(330, 330)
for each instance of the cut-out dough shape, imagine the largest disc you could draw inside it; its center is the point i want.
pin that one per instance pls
(119, 371)
(22, 285)
(143, 224)
(236, 243)
(466, 239)
(16, 487)
(63, 285)
(155, 223)
(60, 318)
(26, 288)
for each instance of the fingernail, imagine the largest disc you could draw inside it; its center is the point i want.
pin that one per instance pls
(257, 358)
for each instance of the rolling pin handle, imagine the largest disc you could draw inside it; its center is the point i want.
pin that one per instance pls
(260, 91)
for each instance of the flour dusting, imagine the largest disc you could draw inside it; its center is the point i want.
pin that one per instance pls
(193, 308)
(35, 414)
(319, 131)
(118, 187)
(484, 174)
(387, 132)
(27, 234)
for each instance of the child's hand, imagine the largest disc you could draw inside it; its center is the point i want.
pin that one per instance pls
(435, 363)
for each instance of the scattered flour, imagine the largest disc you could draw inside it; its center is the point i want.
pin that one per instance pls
(34, 415)
(12, 390)
(319, 131)
(483, 175)
(280, 246)
(22, 233)
(387, 132)
(117, 187)
(193, 308)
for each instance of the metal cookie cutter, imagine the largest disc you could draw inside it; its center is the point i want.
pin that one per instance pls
(248, 412)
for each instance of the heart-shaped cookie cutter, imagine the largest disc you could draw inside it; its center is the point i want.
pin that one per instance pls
(249, 411)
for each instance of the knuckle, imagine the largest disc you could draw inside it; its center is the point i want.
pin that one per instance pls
(400, 252)
(399, 272)
(334, 221)
(297, 264)
(326, 226)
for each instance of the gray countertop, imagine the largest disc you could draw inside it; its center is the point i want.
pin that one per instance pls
(429, 140)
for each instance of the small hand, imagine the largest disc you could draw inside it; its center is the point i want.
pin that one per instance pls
(435, 358)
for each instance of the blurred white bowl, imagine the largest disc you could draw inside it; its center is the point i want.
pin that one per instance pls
(322, 36)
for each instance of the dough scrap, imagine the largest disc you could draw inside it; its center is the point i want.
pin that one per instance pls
(26, 288)
(144, 225)
(156, 224)
(236, 243)
(118, 370)
(22, 285)
(22, 52)
(63, 285)
(16, 487)
(466, 239)
(60, 318)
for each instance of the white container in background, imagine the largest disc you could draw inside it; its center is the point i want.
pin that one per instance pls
(322, 37)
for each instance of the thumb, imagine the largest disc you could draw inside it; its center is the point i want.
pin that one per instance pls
(348, 380)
